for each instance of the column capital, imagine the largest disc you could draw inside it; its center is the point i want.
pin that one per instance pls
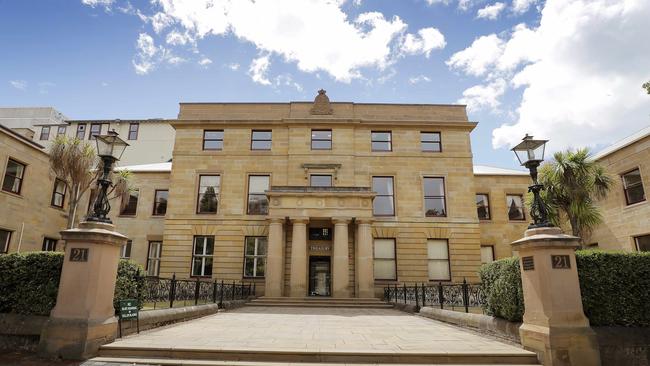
(341, 220)
(363, 220)
(299, 220)
(276, 220)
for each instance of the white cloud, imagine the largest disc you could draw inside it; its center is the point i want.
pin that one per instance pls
(522, 6)
(463, 5)
(96, 3)
(18, 84)
(233, 66)
(144, 61)
(486, 96)
(44, 87)
(287, 80)
(491, 11)
(176, 38)
(104, 84)
(160, 21)
(258, 68)
(579, 71)
(205, 62)
(424, 42)
(419, 79)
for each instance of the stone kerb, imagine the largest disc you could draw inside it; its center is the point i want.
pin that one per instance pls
(554, 324)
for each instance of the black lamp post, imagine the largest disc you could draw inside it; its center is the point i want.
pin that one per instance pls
(110, 149)
(530, 153)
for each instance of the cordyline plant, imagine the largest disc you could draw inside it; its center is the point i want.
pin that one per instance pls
(75, 162)
(573, 182)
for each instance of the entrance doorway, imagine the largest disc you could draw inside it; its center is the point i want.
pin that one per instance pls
(319, 276)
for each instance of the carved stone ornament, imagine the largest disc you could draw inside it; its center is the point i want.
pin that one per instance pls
(321, 104)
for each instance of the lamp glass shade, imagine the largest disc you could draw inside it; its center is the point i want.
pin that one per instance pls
(530, 150)
(110, 145)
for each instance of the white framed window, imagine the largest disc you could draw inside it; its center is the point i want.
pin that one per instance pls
(125, 252)
(49, 245)
(255, 256)
(385, 261)
(153, 258)
(384, 202)
(487, 254)
(642, 243)
(202, 256)
(438, 257)
(258, 203)
(5, 239)
(320, 180)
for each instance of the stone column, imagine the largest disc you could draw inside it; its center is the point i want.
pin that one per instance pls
(554, 326)
(274, 274)
(84, 318)
(341, 258)
(298, 280)
(365, 273)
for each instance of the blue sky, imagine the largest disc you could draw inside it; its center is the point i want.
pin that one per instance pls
(567, 70)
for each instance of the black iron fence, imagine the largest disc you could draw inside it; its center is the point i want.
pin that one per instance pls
(454, 296)
(157, 292)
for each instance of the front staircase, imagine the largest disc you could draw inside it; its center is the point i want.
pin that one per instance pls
(319, 301)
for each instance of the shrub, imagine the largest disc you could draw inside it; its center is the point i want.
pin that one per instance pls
(29, 282)
(615, 287)
(501, 283)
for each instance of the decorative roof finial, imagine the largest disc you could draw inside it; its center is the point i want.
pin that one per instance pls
(321, 104)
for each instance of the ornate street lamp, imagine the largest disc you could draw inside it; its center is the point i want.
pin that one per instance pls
(110, 149)
(530, 153)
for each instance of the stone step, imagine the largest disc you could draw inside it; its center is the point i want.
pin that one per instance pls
(321, 305)
(183, 356)
(109, 361)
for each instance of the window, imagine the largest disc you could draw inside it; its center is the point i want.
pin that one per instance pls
(633, 187)
(319, 180)
(81, 131)
(95, 129)
(153, 258)
(483, 206)
(213, 140)
(321, 139)
(255, 256)
(208, 194)
(125, 251)
(133, 131)
(261, 140)
(49, 245)
(643, 243)
(515, 204)
(160, 202)
(381, 141)
(202, 256)
(384, 203)
(60, 131)
(130, 203)
(258, 203)
(5, 239)
(14, 174)
(58, 195)
(487, 254)
(434, 197)
(438, 256)
(385, 264)
(430, 141)
(45, 133)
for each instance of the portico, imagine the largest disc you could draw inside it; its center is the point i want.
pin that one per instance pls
(319, 242)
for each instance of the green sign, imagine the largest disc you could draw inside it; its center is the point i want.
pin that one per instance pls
(128, 309)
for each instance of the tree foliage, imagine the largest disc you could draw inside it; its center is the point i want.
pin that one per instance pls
(573, 181)
(646, 86)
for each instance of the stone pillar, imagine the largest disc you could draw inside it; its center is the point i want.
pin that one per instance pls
(365, 272)
(341, 258)
(274, 274)
(298, 280)
(554, 326)
(84, 318)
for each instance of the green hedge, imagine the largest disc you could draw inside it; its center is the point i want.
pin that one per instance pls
(502, 288)
(130, 278)
(615, 288)
(29, 281)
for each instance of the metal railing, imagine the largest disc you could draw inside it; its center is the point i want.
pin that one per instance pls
(172, 292)
(452, 296)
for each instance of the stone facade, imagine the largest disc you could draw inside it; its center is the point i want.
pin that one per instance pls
(28, 215)
(622, 222)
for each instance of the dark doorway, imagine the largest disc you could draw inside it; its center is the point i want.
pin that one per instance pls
(319, 276)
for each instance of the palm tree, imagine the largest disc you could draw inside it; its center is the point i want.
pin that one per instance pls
(75, 162)
(573, 181)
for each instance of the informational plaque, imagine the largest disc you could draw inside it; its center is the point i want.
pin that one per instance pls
(561, 261)
(528, 263)
(128, 309)
(78, 254)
